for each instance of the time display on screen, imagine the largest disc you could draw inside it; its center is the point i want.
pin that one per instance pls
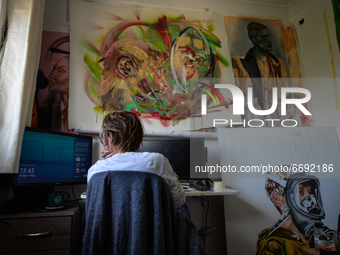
(26, 170)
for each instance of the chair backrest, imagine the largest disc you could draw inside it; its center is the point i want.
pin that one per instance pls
(132, 212)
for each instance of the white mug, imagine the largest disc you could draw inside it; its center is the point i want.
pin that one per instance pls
(219, 186)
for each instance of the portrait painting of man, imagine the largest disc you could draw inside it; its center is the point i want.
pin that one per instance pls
(52, 87)
(265, 56)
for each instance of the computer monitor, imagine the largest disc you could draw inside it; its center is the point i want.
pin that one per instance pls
(54, 158)
(184, 154)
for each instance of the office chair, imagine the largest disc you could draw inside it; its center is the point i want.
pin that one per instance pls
(204, 232)
(132, 212)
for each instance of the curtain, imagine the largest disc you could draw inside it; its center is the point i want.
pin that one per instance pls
(18, 72)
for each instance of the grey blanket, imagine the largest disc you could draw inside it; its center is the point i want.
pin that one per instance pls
(131, 212)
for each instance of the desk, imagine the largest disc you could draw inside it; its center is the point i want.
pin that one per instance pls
(196, 193)
(222, 192)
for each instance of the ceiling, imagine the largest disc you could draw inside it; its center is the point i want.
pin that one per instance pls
(283, 3)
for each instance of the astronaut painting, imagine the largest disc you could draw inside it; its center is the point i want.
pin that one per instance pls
(297, 198)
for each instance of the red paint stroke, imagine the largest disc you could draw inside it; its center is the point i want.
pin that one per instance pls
(212, 109)
(213, 90)
(111, 16)
(163, 30)
(138, 114)
(86, 82)
(92, 27)
(137, 14)
(93, 46)
(187, 49)
(191, 75)
(113, 34)
(164, 120)
(230, 103)
(198, 22)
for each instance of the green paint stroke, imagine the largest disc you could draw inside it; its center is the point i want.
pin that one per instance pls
(90, 48)
(94, 67)
(223, 60)
(208, 92)
(336, 10)
(98, 109)
(93, 89)
(210, 27)
(133, 90)
(153, 41)
(213, 40)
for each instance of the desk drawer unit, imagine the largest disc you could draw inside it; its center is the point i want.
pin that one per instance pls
(39, 235)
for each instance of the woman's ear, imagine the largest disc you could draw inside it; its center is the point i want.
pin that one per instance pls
(276, 198)
(110, 138)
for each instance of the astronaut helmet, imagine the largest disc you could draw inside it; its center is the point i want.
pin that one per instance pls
(304, 201)
(303, 196)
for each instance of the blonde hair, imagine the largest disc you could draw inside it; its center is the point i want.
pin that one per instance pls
(126, 129)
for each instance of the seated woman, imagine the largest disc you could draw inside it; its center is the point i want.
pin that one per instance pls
(121, 134)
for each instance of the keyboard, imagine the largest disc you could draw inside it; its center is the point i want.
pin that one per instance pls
(187, 189)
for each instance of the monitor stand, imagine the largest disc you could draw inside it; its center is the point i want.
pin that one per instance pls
(207, 183)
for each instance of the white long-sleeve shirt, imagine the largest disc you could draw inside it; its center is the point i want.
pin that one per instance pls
(142, 161)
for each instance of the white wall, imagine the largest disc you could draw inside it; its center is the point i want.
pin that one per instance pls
(221, 6)
(55, 11)
(318, 43)
(316, 60)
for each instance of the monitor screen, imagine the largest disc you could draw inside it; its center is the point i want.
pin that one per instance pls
(49, 157)
(184, 154)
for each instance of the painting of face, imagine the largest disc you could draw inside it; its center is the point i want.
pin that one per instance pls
(262, 40)
(53, 81)
(132, 72)
(148, 63)
(59, 76)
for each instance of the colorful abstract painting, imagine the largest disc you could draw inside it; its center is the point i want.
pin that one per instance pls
(265, 56)
(144, 60)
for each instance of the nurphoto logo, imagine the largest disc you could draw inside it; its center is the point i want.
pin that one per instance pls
(239, 106)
